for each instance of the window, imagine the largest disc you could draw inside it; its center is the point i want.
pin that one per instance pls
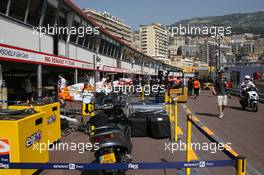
(74, 36)
(105, 47)
(3, 6)
(87, 40)
(93, 43)
(109, 49)
(50, 14)
(82, 34)
(113, 51)
(119, 52)
(18, 9)
(62, 23)
(34, 13)
(138, 60)
(101, 45)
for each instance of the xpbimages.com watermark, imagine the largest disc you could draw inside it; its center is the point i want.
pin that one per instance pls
(212, 31)
(58, 30)
(147, 89)
(80, 147)
(208, 147)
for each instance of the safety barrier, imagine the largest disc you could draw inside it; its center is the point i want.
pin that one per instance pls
(240, 160)
(121, 166)
(172, 102)
(172, 106)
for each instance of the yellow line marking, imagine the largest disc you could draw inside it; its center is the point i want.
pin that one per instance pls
(179, 130)
(195, 119)
(193, 155)
(208, 131)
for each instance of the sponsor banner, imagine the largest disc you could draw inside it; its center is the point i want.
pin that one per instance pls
(27, 56)
(4, 153)
(115, 69)
(123, 166)
(31, 140)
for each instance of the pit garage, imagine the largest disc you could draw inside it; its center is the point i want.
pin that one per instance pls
(15, 74)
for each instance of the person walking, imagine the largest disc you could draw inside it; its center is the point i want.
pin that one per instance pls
(219, 89)
(190, 86)
(196, 86)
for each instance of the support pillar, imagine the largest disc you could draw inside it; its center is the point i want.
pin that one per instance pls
(39, 81)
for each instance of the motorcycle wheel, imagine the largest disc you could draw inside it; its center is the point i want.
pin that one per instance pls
(255, 107)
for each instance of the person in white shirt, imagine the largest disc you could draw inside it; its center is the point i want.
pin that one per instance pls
(61, 83)
(247, 83)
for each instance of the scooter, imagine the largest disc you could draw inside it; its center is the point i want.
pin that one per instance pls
(112, 135)
(250, 100)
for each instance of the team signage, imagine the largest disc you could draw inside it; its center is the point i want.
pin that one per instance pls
(115, 69)
(23, 55)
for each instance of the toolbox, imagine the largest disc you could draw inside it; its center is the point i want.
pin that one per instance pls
(51, 119)
(20, 138)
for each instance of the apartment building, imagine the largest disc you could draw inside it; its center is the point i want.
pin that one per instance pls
(154, 41)
(112, 24)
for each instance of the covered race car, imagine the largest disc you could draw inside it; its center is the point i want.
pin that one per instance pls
(77, 92)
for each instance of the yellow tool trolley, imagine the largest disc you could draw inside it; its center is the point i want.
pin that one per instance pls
(20, 138)
(180, 92)
(51, 119)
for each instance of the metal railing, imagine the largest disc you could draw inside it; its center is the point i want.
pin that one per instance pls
(239, 162)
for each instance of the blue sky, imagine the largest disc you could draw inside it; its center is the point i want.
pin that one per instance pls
(136, 12)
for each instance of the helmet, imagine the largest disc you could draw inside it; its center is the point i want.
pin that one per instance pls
(247, 77)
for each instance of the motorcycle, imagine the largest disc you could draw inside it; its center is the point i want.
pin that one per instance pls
(249, 99)
(112, 134)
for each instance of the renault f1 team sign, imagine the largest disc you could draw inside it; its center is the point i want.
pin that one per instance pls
(10, 53)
